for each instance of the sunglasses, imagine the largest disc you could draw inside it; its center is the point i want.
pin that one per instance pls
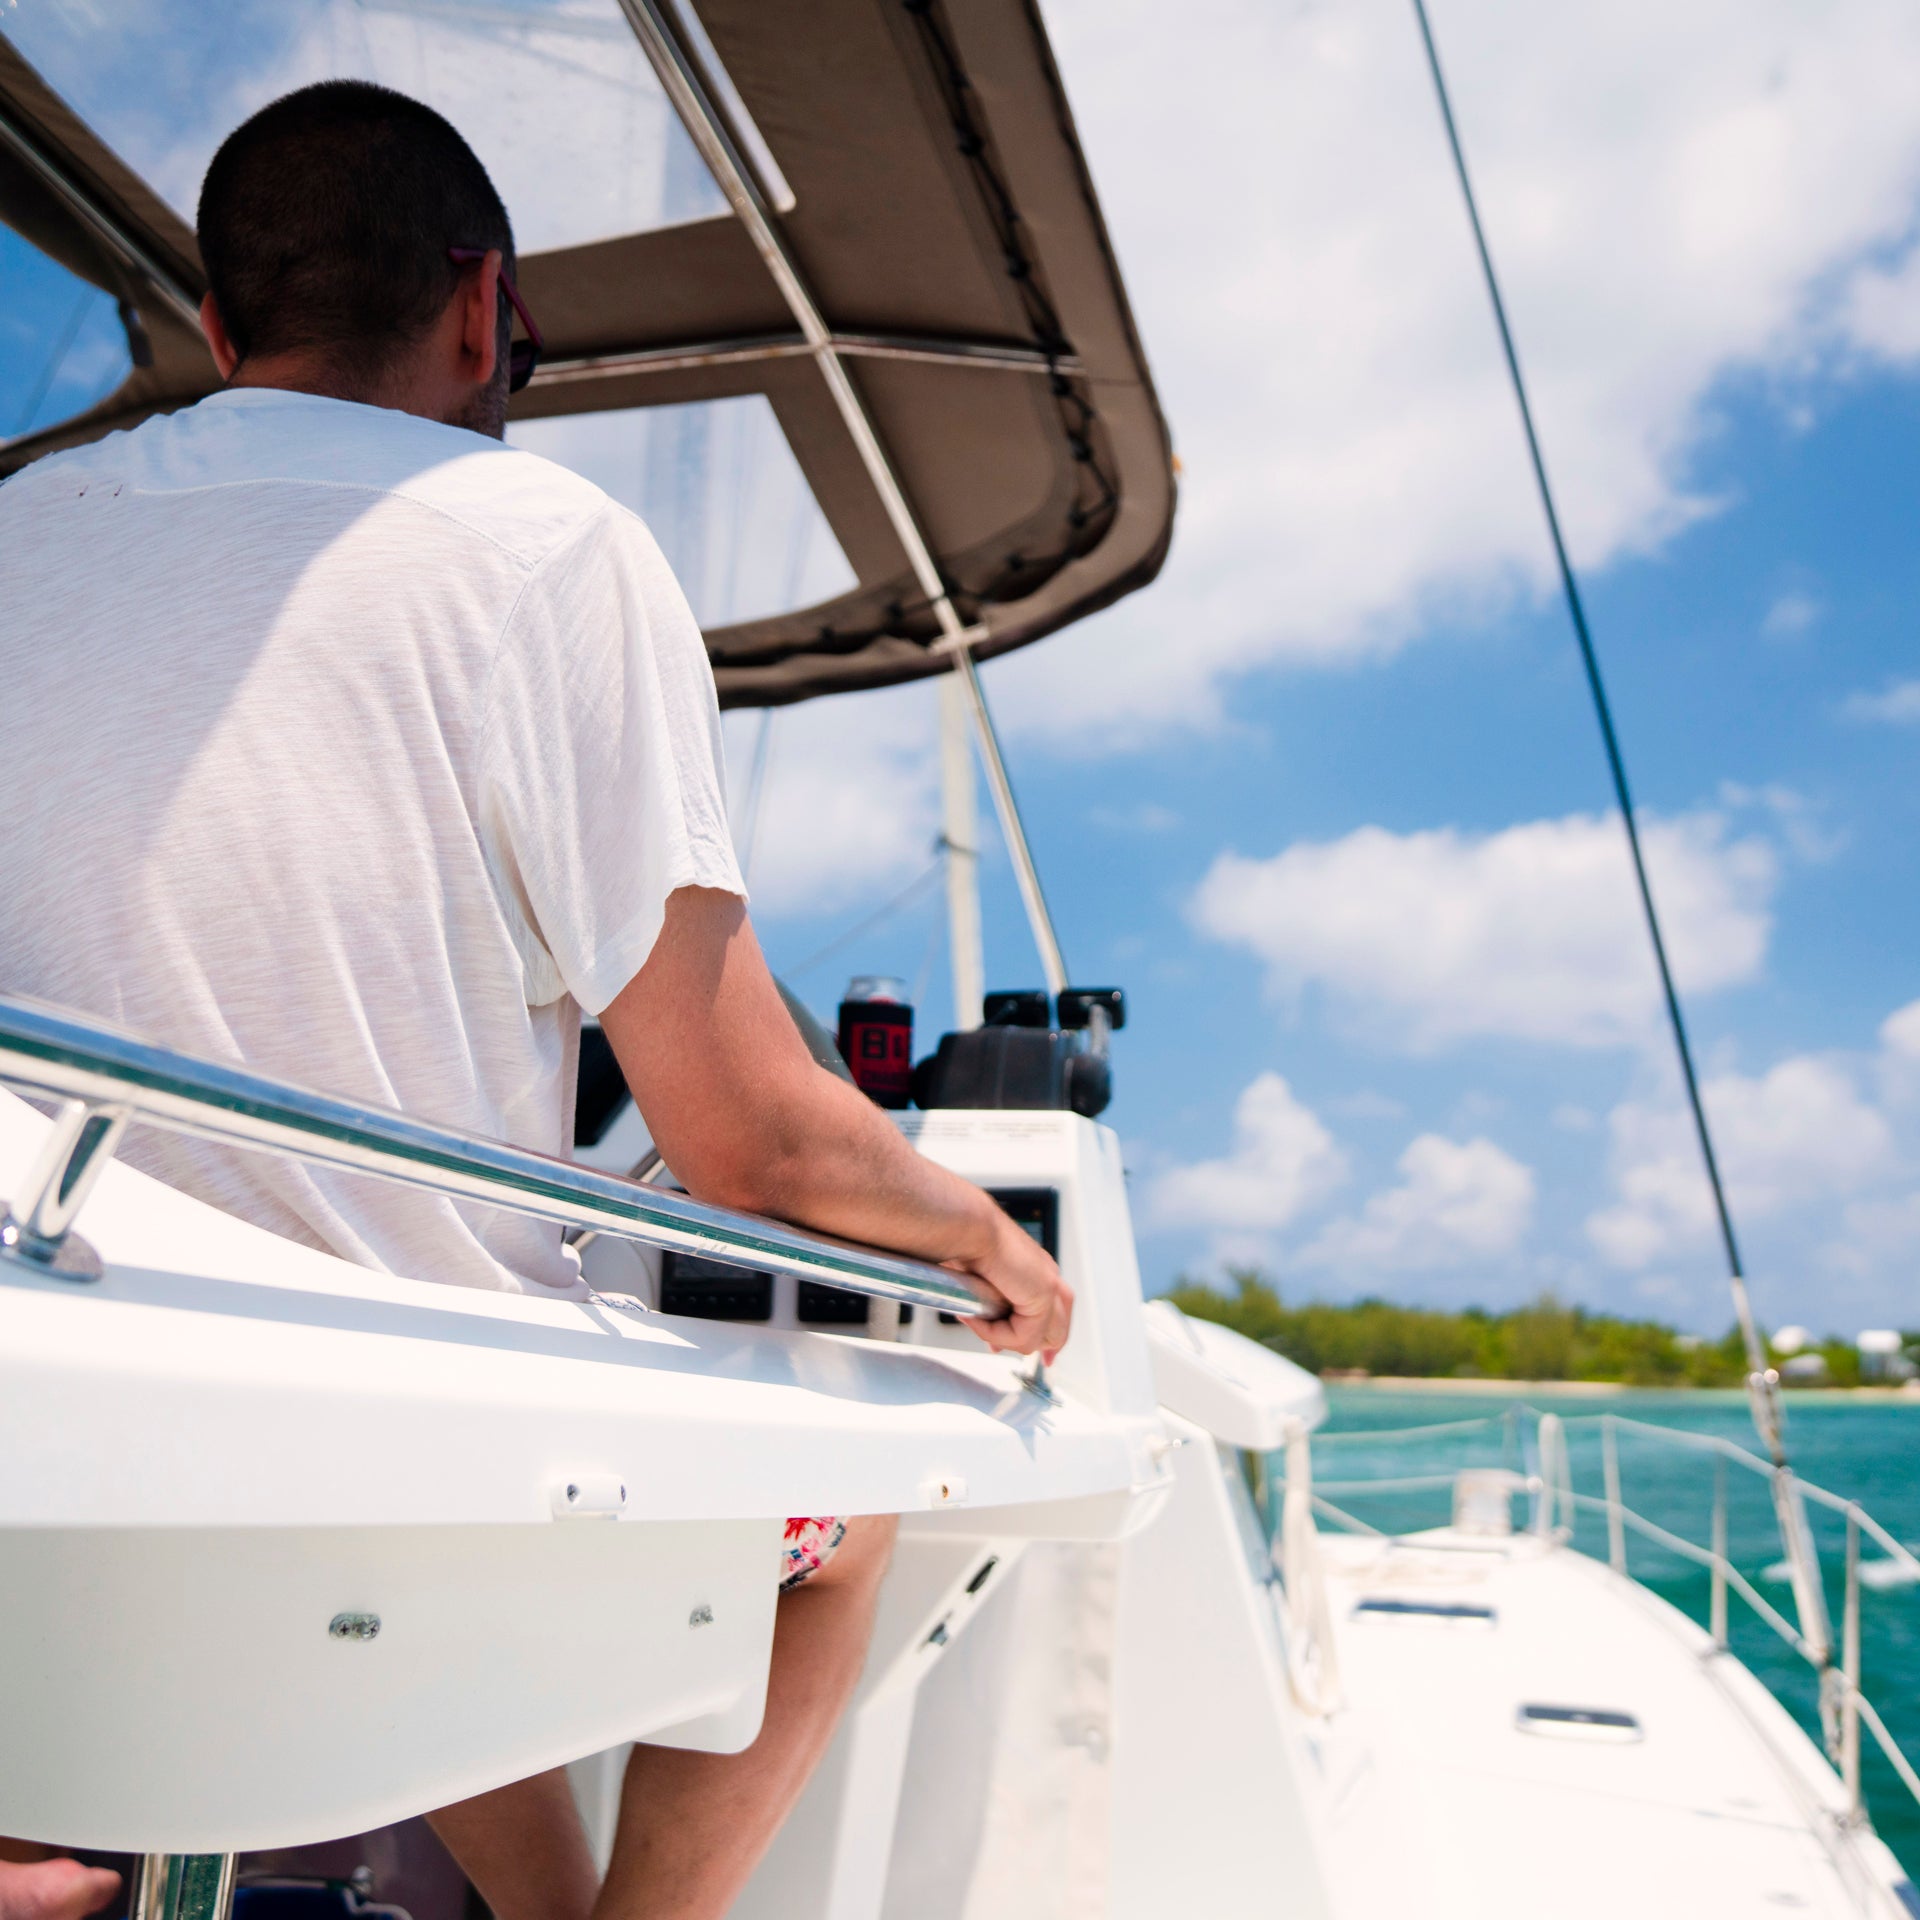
(522, 355)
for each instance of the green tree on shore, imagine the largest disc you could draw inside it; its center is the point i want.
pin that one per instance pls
(1544, 1340)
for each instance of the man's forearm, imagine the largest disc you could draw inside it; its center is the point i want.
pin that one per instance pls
(744, 1117)
(828, 1158)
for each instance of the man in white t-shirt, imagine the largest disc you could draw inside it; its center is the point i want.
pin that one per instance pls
(345, 743)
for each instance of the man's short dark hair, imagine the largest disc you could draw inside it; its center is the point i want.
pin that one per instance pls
(326, 218)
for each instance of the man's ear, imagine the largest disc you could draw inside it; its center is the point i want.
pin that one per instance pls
(479, 308)
(224, 356)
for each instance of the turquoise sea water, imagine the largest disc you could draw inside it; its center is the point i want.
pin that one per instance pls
(1865, 1450)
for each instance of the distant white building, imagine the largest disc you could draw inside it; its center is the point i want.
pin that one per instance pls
(1883, 1355)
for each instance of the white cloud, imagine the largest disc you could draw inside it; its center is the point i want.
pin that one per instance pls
(1883, 308)
(1877, 1233)
(1456, 1202)
(1799, 1133)
(1674, 194)
(850, 809)
(1899, 1061)
(1900, 1032)
(1793, 815)
(1790, 616)
(1144, 816)
(1283, 1161)
(1534, 932)
(1897, 704)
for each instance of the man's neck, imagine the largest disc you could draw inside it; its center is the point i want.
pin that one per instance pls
(401, 389)
(301, 373)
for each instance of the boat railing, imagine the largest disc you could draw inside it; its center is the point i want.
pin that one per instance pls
(1541, 1439)
(104, 1081)
(1313, 1668)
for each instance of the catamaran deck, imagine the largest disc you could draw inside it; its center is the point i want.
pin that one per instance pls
(1447, 1799)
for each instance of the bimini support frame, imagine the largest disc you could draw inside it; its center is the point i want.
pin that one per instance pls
(112, 234)
(983, 355)
(707, 126)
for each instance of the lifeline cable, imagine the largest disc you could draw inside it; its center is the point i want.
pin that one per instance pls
(1766, 1411)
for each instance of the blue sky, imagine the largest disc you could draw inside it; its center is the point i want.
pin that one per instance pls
(1328, 799)
(1733, 654)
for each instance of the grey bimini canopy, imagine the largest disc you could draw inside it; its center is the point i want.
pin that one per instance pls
(870, 221)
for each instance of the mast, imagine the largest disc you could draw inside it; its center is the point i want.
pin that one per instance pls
(960, 842)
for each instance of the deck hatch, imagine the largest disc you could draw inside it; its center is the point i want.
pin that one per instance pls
(1606, 1725)
(1468, 1613)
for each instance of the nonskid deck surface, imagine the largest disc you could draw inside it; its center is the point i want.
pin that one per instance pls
(1443, 1804)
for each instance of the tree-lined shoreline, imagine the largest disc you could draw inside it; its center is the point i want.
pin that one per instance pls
(1544, 1341)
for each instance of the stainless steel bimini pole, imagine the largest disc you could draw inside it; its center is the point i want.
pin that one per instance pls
(751, 205)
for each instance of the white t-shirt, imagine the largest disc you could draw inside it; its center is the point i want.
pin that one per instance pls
(358, 750)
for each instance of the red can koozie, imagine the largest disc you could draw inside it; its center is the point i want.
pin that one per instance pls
(876, 1039)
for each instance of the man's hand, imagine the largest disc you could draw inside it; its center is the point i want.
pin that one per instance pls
(51, 1889)
(1024, 1273)
(745, 1118)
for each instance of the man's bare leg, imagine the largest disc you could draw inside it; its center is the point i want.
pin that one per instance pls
(34, 1885)
(693, 1826)
(523, 1846)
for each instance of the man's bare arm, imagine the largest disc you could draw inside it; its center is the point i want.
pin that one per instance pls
(745, 1119)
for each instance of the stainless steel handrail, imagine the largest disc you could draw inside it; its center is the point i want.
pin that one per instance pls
(49, 1051)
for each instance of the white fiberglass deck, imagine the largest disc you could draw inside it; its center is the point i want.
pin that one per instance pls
(1441, 1805)
(293, 1549)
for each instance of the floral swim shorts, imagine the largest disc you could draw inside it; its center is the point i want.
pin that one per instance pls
(810, 1544)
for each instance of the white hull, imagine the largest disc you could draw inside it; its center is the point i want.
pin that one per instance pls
(1088, 1693)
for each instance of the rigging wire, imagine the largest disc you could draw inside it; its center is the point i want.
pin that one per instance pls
(930, 958)
(917, 885)
(1761, 1386)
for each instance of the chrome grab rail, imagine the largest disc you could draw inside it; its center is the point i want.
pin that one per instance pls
(109, 1078)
